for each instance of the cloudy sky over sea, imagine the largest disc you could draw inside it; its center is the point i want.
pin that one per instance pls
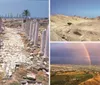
(75, 53)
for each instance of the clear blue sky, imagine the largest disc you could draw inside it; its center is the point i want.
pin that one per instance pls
(88, 8)
(37, 8)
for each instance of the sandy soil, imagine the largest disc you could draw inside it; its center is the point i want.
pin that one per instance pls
(74, 28)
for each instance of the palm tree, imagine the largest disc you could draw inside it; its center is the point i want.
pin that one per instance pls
(26, 13)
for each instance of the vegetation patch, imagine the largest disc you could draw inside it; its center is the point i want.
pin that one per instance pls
(69, 79)
(69, 23)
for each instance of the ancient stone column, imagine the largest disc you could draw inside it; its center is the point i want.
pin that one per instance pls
(43, 38)
(46, 50)
(30, 31)
(28, 28)
(22, 25)
(36, 33)
(33, 31)
(1, 25)
(25, 27)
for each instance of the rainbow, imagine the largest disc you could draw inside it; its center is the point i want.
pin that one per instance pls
(87, 53)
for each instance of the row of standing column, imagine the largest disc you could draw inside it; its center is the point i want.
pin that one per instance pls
(31, 27)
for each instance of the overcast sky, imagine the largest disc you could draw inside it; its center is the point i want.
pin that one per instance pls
(88, 8)
(74, 53)
(37, 8)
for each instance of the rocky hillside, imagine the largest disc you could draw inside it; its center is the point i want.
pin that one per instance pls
(74, 28)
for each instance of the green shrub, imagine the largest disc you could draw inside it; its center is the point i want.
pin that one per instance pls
(69, 23)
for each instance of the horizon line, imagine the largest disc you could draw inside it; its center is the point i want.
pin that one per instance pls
(75, 15)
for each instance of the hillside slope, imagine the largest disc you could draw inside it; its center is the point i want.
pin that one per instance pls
(74, 28)
(93, 81)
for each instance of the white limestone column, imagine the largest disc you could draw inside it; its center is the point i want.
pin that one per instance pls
(25, 24)
(1, 25)
(33, 31)
(36, 33)
(46, 50)
(22, 25)
(28, 27)
(30, 31)
(43, 38)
